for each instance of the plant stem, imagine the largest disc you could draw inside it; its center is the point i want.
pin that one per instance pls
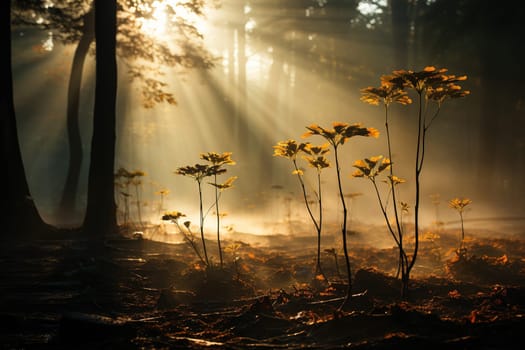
(218, 219)
(419, 158)
(343, 230)
(462, 250)
(319, 270)
(202, 225)
(399, 239)
(139, 213)
(317, 224)
(190, 241)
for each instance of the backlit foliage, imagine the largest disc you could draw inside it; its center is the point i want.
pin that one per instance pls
(431, 82)
(431, 85)
(459, 205)
(315, 157)
(201, 171)
(288, 149)
(218, 160)
(173, 215)
(371, 167)
(387, 93)
(124, 179)
(340, 132)
(226, 184)
(337, 136)
(186, 232)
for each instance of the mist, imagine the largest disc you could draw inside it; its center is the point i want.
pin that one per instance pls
(288, 82)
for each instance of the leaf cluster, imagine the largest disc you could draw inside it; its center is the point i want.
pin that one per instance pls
(340, 132)
(431, 82)
(129, 177)
(314, 155)
(371, 167)
(200, 171)
(459, 203)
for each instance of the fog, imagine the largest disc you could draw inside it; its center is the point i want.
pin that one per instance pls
(288, 86)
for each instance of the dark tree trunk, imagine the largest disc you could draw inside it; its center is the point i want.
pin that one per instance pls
(19, 210)
(400, 32)
(70, 191)
(101, 218)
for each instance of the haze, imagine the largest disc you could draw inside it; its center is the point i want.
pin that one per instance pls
(283, 66)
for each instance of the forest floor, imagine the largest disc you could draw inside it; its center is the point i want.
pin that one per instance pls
(62, 293)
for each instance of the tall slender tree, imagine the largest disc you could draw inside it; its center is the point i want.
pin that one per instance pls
(72, 22)
(400, 31)
(101, 216)
(69, 193)
(456, 31)
(19, 209)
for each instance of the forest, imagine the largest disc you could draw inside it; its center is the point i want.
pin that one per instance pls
(238, 174)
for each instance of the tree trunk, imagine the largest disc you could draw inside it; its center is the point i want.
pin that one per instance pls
(400, 32)
(101, 218)
(19, 210)
(67, 207)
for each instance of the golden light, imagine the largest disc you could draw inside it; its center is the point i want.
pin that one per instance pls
(167, 13)
(270, 81)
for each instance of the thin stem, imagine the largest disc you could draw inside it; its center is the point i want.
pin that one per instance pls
(126, 207)
(189, 240)
(396, 212)
(218, 219)
(462, 227)
(317, 224)
(202, 225)
(139, 213)
(319, 269)
(399, 241)
(462, 250)
(418, 189)
(343, 230)
(433, 117)
(385, 215)
(305, 196)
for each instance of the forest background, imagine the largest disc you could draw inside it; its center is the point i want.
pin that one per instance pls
(279, 67)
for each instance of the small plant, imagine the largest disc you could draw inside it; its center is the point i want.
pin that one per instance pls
(124, 179)
(218, 160)
(333, 252)
(162, 194)
(136, 181)
(188, 235)
(431, 85)
(459, 205)
(200, 171)
(233, 249)
(435, 250)
(337, 136)
(370, 168)
(316, 159)
(122, 183)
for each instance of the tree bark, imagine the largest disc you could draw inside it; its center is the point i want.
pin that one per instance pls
(101, 218)
(400, 32)
(19, 211)
(67, 207)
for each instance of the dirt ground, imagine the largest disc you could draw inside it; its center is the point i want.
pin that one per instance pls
(127, 293)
